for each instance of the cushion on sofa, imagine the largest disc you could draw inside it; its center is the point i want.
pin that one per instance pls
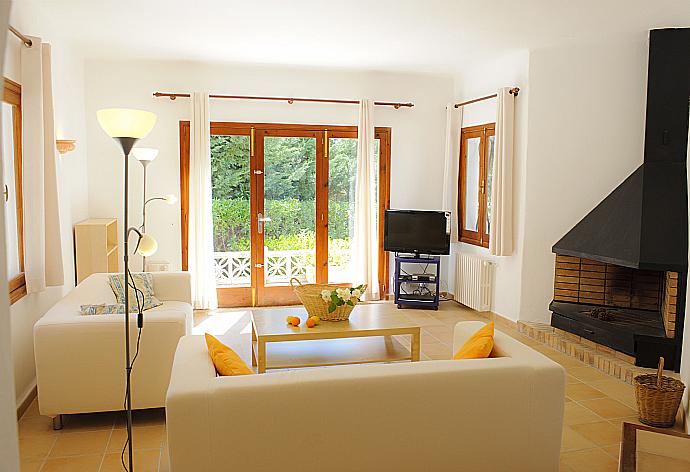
(479, 345)
(225, 360)
(143, 295)
(102, 309)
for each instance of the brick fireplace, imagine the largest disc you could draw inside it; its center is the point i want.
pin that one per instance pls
(632, 311)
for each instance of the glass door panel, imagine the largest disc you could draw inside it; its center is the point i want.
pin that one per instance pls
(472, 178)
(342, 170)
(489, 181)
(230, 180)
(14, 265)
(287, 224)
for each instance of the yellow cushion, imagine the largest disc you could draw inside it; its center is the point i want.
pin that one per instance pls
(479, 345)
(225, 360)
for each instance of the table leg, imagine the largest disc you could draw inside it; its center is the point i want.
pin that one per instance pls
(253, 346)
(415, 346)
(261, 354)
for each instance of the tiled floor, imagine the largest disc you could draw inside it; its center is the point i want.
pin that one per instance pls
(596, 405)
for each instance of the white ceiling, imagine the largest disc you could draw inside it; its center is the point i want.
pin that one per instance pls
(436, 36)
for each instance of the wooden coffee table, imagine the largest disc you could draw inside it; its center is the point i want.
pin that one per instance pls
(366, 337)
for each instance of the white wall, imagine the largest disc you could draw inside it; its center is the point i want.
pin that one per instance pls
(417, 133)
(69, 118)
(9, 450)
(478, 80)
(585, 136)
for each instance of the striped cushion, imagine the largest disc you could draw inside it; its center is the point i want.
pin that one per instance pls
(144, 283)
(103, 309)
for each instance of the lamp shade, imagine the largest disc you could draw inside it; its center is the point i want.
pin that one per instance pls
(126, 122)
(145, 154)
(170, 199)
(147, 246)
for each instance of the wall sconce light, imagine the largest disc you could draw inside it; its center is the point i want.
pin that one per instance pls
(65, 145)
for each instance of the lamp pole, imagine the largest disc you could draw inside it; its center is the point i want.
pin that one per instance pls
(127, 144)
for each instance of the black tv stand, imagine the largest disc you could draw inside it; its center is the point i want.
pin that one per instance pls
(422, 296)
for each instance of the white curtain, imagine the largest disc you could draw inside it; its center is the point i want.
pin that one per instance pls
(42, 238)
(501, 233)
(364, 251)
(452, 167)
(200, 251)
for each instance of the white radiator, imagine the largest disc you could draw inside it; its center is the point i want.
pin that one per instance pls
(473, 276)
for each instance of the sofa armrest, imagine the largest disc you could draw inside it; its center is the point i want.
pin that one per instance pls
(187, 406)
(173, 286)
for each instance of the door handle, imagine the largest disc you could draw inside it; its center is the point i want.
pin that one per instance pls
(261, 220)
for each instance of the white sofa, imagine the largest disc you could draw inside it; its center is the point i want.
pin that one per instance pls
(496, 414)
(80, 360)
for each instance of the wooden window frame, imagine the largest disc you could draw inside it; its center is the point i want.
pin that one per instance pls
(244, 298)
(12, 94)
(483, 132)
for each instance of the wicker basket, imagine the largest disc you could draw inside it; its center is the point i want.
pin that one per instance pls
(310, 296)
(658, 398)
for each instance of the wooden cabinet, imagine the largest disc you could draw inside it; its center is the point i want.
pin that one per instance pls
(95, 247)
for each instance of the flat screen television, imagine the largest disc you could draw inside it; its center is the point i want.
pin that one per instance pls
(416, 232)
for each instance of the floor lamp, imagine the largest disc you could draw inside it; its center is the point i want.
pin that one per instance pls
(145, 156)
(127, 126)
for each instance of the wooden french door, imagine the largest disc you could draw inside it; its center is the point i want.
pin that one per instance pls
(285, 171)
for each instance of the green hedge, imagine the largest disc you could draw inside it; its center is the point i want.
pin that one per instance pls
(286, 230)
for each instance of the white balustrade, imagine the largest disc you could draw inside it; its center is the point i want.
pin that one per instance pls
(234, 268)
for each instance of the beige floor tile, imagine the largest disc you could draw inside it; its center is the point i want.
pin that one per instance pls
(618, 390)
(589, 460)
(613, 450)
(83, 443)
(578, 414)
(601, 433)
(608, 408)
(145, 460)
(569, 379)
(36, 447)
(37, 425)
(428, 338)
(587, 374)
(618, 422)
(30, 465)
(582, 391)
(443, 333)
(90, 463)
(144, 437)
(437, 350)
(574, 441)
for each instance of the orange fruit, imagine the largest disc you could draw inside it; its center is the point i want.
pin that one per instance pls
(295, 321)
(311, 323)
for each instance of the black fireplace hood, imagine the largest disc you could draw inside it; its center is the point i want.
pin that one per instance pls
(643, 223)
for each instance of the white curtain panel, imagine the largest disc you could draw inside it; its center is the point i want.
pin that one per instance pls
(452, 167)
(41, 169)
(501, 233)
(200, 249)
(364, 250)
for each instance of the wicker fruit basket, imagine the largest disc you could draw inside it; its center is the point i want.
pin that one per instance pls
(658, 398)
(310, 296)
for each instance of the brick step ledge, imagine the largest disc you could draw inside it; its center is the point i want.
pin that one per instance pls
(608, 361)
